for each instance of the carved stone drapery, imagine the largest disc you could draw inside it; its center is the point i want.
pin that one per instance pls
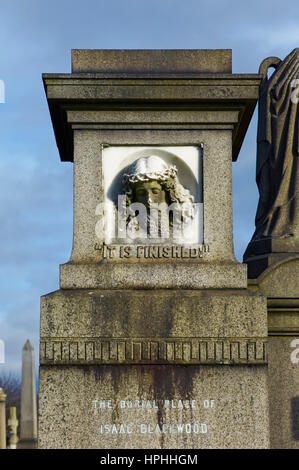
(277, 151)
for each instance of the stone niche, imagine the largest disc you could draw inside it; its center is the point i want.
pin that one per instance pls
(153, 340)
(162, 174)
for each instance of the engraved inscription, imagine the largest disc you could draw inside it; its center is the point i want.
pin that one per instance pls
(152, 251)
(167, 406)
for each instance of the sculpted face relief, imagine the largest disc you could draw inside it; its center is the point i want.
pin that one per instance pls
(157, 205)
(152, 195)
(149, 193)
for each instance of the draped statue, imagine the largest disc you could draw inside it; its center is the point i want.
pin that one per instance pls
(277, 173)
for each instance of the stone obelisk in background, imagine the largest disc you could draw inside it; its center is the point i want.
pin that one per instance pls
(28, 431)
(2, 420)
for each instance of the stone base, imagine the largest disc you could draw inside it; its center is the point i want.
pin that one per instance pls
(27, 444)
(206, 347)
(261, 254)
(191, 407)
(283, 391)
(165, 275)
(257, 265)
(76, 323)
(280, 284)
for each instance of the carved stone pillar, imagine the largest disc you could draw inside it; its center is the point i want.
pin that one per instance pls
(148, 343)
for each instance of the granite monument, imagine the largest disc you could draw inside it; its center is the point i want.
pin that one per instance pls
(153, 339)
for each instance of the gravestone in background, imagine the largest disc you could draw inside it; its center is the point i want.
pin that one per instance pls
(153, 340)
(2, 420)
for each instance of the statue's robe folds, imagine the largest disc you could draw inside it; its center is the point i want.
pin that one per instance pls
(278, 152)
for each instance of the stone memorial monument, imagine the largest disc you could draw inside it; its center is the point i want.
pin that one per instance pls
(153, 340)
(28, 421)
(273, 253)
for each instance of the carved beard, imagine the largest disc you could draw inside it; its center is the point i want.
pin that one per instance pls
(157, 223)
(154, 225)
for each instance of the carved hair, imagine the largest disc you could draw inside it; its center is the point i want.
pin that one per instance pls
(153, 168)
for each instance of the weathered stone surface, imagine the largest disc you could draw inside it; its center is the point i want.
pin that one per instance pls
(280, 279)
(136, 346)
(272, 255)
(155, 61)
(151, 117)
(277, 157)
(229, 92)
(277, 218)
(283, 316)
(164, 275)
(89, 192)
(279, 282)
(237, 417)
(219, 326)
(272, 245)
(153, 328)
(284, 390)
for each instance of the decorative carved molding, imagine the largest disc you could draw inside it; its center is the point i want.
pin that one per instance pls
(269, 62)
(188, 351)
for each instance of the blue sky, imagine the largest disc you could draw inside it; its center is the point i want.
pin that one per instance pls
(36, 188)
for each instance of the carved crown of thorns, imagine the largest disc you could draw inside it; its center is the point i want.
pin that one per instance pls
(170, 172)
(148, 169)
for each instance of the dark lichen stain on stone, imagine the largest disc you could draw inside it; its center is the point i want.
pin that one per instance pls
(169, 383)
